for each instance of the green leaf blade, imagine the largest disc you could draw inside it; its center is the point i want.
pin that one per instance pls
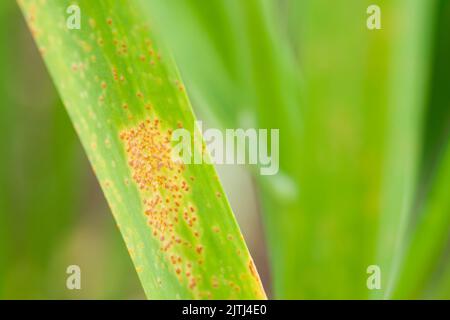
(124, 97)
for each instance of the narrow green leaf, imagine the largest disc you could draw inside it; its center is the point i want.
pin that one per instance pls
(427, 235)
(428, 239)
(407, 96)
(125, 98)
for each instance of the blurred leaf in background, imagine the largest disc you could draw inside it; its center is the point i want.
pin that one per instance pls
(426, 266)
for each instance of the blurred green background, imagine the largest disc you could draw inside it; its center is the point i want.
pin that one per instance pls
(364, 118)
